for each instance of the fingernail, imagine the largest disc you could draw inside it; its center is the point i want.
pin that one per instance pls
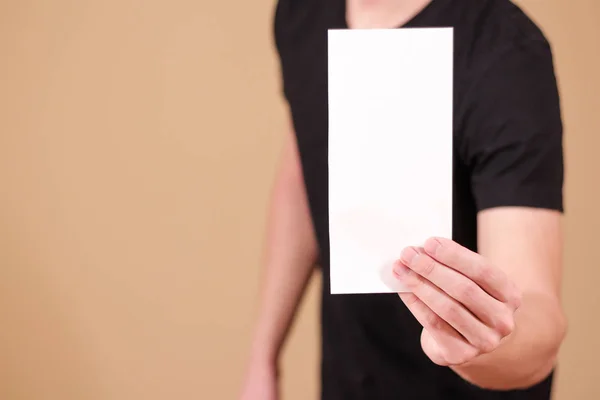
(408, 255)
(432, 245)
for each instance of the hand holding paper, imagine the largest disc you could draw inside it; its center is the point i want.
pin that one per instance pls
(465, 304)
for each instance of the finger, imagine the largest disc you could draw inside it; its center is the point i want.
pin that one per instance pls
(490, 278)
(450, 347)
(449, 356)
(486, 308)
(448, 309)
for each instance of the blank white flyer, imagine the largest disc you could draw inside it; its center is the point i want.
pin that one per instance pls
(390, 150)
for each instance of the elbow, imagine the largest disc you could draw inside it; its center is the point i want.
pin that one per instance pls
(532, 373)
(521, 368)
(562, 325)
(556, 336)
(534, 377)
(549, 358)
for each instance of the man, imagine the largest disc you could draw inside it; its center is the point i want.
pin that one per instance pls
(483, 319)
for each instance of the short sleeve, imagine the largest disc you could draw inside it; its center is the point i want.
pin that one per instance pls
(512, 132)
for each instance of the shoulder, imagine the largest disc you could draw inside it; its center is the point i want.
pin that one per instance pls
(493, 32)
(504, 66)
(302, 23)
(300, 32)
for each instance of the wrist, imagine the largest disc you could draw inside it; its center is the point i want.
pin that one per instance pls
(264, 354)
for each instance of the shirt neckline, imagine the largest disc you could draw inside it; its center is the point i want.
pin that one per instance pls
(411, 22)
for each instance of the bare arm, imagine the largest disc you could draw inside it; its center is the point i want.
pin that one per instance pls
(290, 255)
(527, 245)
(495, 318)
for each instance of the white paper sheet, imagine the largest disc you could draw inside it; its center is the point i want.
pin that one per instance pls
(390, 150)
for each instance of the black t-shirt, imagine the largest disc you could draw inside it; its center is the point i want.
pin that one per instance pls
(507, 152)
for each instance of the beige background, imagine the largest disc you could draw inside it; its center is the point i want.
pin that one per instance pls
(138, 141)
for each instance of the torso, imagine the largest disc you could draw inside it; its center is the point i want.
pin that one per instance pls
(370, 345)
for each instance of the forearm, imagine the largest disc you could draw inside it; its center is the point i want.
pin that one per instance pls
(290, 256)
(283, 285)
(528, 355)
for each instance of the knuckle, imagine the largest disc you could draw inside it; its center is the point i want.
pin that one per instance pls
(489, 342)
(433, 321)
(418, 282)
(412, 281)
(505, 325)
(427, 266)
(485, 272)
(460, 356)
(514, 299)
(451, 312)
(465, 356)
(451, 357)
(409, 299)
(466, 291)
